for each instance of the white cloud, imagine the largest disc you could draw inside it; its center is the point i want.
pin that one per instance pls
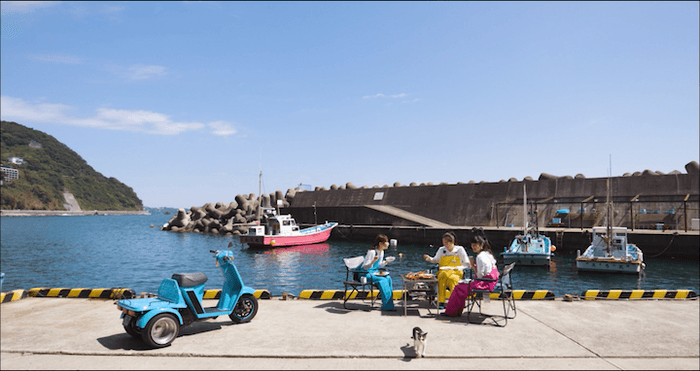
(380, 95)
(141, 72)
(174, 128)
(222, 128)
(16, 109)
(22, 7)
(111, 9)
(57, 58)
(78, 9)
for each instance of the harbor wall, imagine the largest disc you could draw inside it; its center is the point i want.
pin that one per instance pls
(661, 206)
(668, 199)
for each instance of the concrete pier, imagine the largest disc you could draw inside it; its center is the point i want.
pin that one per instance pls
(63, 333)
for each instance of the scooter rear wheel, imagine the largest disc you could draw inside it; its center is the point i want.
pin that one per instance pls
(245, 310)
(132, 330)
(161, 330)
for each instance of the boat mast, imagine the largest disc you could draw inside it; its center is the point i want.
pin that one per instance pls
(524, 210)
(259, 196)
(608, 220)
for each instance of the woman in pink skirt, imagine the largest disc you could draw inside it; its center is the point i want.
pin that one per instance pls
(485, 268)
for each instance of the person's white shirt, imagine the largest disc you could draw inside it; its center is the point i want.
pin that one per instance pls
(369, 259)
(456, 251)
(485, 263)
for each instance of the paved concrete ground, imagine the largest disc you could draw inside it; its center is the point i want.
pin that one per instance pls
(63, 333)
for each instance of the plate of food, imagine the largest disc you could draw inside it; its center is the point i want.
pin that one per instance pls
(422, 275)
(381, 274)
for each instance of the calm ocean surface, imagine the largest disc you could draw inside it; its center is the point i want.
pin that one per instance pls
(124, 251)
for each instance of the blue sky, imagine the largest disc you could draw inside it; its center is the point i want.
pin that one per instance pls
(186, 101)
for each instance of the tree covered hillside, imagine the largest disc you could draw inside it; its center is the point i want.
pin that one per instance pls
(51, 167)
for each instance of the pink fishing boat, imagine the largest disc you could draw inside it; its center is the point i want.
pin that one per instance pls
(282, 230)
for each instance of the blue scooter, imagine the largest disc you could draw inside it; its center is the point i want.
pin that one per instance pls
(157, 321)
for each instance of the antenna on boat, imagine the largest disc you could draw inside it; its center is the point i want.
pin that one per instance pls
(524, 210)
(609, 220)
(259, 195)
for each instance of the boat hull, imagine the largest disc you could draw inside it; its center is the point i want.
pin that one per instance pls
(526, 259)
(608, 265)
(321, 235)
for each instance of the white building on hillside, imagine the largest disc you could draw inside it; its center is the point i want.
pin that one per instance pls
(16, 160)
(10, 173)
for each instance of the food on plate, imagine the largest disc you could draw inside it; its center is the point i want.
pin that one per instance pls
(421, 275)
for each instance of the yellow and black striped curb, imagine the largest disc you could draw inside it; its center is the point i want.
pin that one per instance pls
(398, 294)
(638, 294)
(340, 294)
(9, 296)
(113, 293)
(216, 294)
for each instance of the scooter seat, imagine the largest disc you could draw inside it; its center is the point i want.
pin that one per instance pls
(189, 279)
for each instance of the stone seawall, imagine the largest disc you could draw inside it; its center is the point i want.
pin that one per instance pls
(641, 202)
(657, 209)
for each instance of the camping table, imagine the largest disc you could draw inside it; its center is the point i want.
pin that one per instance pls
(427, 286)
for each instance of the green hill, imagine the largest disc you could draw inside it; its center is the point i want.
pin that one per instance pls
(51, 167)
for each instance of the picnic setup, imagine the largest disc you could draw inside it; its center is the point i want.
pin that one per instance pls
(451, 285)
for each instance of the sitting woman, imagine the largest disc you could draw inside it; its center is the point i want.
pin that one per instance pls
(451, 259)
(375, 260)
(485, 268)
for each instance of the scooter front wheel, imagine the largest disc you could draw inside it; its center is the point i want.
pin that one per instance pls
(161, 330)
(245, 310)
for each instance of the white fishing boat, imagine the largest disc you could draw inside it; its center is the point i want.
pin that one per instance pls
(609, 250)
(530, 247)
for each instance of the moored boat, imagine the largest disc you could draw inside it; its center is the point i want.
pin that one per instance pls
(609, 250)
(530, 247)
(282, 230)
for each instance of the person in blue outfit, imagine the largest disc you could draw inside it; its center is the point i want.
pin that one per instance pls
(375, 260)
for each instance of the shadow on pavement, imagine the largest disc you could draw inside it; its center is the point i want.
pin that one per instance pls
(337, 308)
(125, 341)
(122, 342)
(408, 353)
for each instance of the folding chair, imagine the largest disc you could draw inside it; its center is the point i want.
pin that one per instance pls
(353, 282)
(504, 289)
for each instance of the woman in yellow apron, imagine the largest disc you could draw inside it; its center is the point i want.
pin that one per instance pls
(452, 260)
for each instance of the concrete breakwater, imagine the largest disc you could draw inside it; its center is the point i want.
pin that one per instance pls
(663, 205)
(221, 218)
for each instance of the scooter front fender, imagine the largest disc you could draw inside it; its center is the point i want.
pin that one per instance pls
(142, 321)
(247, 290)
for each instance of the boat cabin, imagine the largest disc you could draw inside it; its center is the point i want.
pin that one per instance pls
(618, 244)
(275, 225)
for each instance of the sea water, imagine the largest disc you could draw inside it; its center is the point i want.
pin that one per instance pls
(131, 251)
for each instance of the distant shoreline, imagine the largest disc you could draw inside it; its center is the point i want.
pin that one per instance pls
(66, 212)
